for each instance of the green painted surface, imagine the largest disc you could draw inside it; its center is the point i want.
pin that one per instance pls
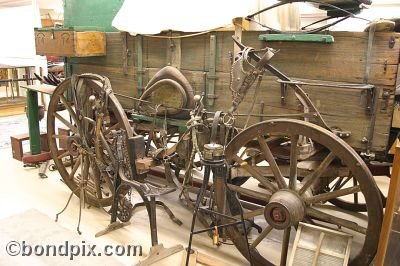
(323, 38)
(33, 121)
(91, 13)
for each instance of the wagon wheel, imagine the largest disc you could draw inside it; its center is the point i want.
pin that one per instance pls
(90, 120)
(354, 203)
(285, 201)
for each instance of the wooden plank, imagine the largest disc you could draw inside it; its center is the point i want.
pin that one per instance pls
(124, 51)
(90, 43)
(55, 43)
(396, 116)
(174, 52)
(154, 54)
(70, 43)
(194, 61)
(43, 88)
(113, 53)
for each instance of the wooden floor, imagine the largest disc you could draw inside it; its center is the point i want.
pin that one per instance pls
(9, 106)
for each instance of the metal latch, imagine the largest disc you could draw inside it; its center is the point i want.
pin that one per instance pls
(392, 41)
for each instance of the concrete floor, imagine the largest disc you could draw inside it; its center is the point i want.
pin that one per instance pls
(22, 189)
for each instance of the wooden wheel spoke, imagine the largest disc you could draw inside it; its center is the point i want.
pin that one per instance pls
(252, 170)
(347, 179)
(61, 137)
(250, 193)
(85, 168)
(66, 123)
(285, 246)
(62, 155)
(328, 218)
(280, 180)
(69, 108)
(337, 183)
(75, 167)
(331, 195)
(251, 214)
(108, 130)
(261, 236)
(293, 162)
(317, 173)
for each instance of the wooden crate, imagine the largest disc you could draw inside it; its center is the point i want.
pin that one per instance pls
(70, 43)
(16, 144)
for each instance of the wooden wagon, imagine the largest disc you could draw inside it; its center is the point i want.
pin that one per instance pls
(342, 98)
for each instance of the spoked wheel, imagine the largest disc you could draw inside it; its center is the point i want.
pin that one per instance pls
(288, 196)
(353, 203)
(90, 114)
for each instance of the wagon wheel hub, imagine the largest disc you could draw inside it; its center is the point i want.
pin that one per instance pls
(284, 209)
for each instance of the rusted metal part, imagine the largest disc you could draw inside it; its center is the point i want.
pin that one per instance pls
(242, 81)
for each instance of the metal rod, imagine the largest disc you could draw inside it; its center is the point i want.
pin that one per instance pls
(333, 85)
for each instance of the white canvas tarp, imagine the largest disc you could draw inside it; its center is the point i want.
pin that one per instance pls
(154, 16)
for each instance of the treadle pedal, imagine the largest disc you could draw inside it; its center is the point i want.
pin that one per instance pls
(154, 191)
(111, 227)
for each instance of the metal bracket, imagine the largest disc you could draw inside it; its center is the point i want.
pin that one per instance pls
(392, 42)
(284, 93)
(341, 133)
(385, 100)
(367, 96)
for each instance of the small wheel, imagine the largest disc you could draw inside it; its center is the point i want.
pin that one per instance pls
(83, 157)
(294, 189)
(125, 210)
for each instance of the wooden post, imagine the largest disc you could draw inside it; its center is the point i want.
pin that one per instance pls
(388, 248)
(139, 63)
(124, 43)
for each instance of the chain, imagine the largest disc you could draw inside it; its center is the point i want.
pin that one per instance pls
(241, 68)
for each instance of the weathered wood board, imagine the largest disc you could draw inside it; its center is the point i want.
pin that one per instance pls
(344, 61)
(69, 43)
